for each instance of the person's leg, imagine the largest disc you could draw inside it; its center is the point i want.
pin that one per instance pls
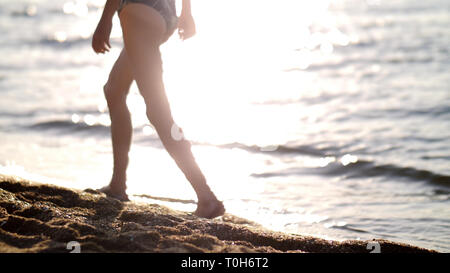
(116, 90)
(143, 31)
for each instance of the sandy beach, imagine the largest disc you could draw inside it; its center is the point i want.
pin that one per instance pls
(36, 217)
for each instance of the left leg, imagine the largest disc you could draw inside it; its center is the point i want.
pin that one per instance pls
(116, 90)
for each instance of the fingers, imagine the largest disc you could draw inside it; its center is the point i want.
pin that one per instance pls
(105, 47)
(101, 47)
(101, 50)
(184, 35)
(181, 33)
(188, 35)
(100, 38)
(99, 44)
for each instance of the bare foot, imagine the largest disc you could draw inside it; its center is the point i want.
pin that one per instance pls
(115, 193)
(210, 209)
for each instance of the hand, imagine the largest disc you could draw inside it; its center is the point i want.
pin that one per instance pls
(186, 26)
(100, 39)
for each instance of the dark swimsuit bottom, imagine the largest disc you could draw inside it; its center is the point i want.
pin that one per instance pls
(165, 7)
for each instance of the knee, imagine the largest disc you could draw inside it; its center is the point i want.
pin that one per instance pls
(112, 95)
(157, 120)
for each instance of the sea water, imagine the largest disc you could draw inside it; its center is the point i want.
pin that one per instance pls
(323, 118)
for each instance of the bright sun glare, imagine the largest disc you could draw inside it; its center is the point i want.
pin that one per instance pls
(226, 84)
(217, 81)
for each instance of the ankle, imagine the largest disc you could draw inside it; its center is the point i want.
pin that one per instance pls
(207, 199)
(118, 183)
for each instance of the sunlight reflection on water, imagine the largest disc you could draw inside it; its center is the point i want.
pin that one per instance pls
(284, 102)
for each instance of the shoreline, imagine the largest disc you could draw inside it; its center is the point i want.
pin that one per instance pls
(36, 217)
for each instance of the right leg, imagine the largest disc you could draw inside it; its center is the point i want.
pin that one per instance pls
(143, 31)
(116, 91)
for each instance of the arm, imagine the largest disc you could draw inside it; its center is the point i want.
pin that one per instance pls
(186, 8)
(186, 24)
(100, 39)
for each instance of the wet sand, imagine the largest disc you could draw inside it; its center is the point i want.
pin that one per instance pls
(37, 217)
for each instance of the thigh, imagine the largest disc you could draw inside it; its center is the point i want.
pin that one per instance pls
(143, 19)
(121, 75)
(143, 28)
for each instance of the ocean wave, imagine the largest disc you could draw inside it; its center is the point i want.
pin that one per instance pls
(345, 227)
(28, 11)
(371, 169)
(66, 126)
(284, 149)
(42, 110)
(432, 111)
(9, 114)
(53, 41)
(367, 169)
(360, 168)
(68, 42)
